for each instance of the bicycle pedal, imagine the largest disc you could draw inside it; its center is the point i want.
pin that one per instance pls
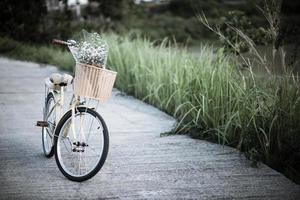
(77, 150)
(42, 124)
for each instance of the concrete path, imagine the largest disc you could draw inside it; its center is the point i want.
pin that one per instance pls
(140, 164)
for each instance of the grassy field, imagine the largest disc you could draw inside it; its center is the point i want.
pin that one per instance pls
(209, 96)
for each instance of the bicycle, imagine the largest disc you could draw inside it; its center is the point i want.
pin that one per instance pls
(78, 138)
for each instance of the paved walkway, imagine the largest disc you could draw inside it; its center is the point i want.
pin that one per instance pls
(140, 164)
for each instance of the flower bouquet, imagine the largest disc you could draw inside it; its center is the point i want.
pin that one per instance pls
(92, 80)
(91, 49)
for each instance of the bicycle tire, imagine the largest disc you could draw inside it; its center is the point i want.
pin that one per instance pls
(103, 157)
(50, 153)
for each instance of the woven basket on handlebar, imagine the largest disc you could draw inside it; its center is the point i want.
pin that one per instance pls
(93, 82)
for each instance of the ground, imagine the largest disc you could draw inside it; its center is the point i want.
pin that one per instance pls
(140, 163)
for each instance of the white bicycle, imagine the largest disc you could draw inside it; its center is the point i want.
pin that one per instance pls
(78, 138)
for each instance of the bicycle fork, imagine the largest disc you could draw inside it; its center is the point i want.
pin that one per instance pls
(74, 103)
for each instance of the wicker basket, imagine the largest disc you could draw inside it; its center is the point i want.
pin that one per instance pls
(93, 82)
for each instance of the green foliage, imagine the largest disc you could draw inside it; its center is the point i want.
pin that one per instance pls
(8, 45)
(175, 20)
(58, 25)
(114, 9)
(238, 19)
(189, 8)
(212, 100)
(158, 27)
(22, 19)
(40, 54)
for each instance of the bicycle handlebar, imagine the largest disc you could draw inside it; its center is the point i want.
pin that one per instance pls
(59, 42)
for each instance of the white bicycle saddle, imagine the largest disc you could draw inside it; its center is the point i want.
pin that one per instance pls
(61, 79)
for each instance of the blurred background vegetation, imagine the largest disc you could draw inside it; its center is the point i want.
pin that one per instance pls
(41, 20)
(238, 87)
(38, 21)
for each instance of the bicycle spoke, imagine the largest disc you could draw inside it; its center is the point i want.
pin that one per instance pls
(67, 147)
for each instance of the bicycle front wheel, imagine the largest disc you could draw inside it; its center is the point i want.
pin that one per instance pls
(81, 144)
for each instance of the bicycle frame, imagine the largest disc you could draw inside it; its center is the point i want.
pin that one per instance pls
(59, 106)
(59, 97)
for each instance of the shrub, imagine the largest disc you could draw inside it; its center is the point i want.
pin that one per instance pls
(238, 19)
(7, 44)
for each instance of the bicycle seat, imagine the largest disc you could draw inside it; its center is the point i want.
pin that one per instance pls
(61, 79)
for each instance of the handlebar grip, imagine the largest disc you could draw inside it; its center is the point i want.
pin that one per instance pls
(60, 42)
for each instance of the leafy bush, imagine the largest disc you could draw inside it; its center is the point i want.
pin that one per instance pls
(238, 19)
(7, 44)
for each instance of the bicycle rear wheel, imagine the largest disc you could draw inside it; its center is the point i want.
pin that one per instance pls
(81, 153)
(48, 132)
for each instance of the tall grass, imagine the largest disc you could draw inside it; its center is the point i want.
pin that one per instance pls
(213, 99)
(208, 95)
(205, 92)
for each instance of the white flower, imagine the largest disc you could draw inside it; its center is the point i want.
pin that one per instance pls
(92, 50)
